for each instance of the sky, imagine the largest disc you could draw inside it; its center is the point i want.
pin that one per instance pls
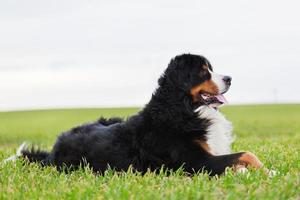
(71, 53)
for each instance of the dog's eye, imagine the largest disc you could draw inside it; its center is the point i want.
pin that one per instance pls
(204, 75)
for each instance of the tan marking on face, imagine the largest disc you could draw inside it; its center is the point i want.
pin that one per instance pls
(248, 159)
(203, 144)
(205, 67)
(206, 87)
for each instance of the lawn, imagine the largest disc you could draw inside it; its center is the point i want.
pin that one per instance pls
(270, 131)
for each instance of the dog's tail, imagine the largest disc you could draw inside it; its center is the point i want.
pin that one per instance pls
(32, 154)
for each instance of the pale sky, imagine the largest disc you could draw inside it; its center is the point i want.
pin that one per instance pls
(70, 53)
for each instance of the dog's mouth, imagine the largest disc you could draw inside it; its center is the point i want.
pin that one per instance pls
(213, 101)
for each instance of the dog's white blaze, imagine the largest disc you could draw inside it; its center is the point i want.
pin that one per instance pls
(218, 80)
(219, 133)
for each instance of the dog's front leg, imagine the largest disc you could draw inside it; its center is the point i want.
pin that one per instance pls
(217, 165)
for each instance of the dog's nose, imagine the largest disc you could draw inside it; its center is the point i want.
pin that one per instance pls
(227, 79)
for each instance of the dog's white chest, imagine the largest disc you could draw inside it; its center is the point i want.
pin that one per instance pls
(219, 132)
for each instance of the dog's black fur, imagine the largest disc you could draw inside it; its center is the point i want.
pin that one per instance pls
(163, 133)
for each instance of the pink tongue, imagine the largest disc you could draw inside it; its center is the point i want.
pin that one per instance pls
(221, 98)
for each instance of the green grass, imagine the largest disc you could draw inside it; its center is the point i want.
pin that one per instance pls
(270, 131)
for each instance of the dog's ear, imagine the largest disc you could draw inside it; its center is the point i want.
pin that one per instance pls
(176, 79)
(173, 77)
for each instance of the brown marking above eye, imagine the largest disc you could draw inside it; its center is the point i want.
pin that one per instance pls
(205, 67)
(208, 87)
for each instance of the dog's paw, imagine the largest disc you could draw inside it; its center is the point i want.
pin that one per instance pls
(271, 173)
(242, 170)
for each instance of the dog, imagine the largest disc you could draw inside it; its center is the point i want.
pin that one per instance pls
(180, 127)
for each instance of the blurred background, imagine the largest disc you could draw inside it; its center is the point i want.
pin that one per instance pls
(70, 53)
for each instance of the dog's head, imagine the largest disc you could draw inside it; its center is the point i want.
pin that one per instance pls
(194, 74)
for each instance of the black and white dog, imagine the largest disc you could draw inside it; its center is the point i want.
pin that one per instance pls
(180, 127)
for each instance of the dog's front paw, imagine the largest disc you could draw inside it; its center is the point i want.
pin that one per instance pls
(242, 169)
(271, 173)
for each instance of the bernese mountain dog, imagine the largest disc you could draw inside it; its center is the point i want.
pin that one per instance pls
(180, 127)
